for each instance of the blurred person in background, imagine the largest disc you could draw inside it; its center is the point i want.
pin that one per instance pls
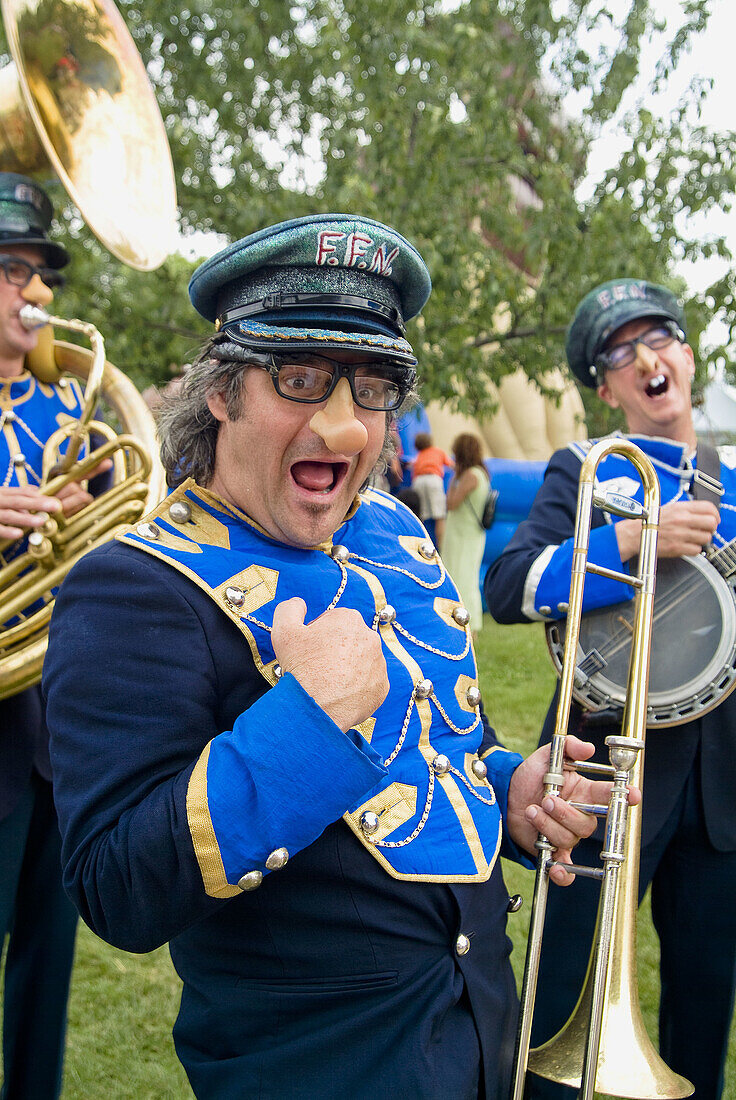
(427, 479)
(465, 536)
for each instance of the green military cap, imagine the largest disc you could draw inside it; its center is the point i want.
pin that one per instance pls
(606, 309)
(25, 217)
(326, 281)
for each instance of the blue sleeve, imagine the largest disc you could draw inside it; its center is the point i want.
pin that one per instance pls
(531, 578)
(161, 810)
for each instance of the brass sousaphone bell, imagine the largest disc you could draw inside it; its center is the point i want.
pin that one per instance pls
(76, 101)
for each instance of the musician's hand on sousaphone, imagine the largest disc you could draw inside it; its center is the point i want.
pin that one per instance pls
(24, 508)
(685, 528)
(74, 496)
(530, 813)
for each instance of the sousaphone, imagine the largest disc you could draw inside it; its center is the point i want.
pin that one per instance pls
(75, 101)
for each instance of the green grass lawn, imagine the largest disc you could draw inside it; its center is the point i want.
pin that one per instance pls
(122, 1006)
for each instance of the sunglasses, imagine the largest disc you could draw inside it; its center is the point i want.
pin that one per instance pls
(20, 272)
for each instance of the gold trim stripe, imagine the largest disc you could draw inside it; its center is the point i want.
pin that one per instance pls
(202, 831)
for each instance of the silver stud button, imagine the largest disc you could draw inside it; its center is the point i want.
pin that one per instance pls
(461, 615)
(545, 610)
(235, 595)
(278, 859)
(369, 822)
(9, 417)
(563, 607)
(480, 771)
(387, 614)
(441, 764)
(515, 903)
(462, 944)
(423, 689)
(473, 695)
(19, 460)
(251, 880)
(180, 511)
(340, 553)
(426, 549)
(148, 531)
(278, 672)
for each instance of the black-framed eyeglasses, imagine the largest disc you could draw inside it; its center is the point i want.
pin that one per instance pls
(624, 354)
(376, 385)
(20, 272)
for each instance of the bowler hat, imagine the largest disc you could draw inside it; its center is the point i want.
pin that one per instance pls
(607, 308)
(328, 281)
(25, 217)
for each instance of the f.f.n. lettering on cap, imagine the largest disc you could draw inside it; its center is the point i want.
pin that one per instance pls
(331, 281)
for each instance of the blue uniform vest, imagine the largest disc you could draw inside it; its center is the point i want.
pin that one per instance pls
(435, 816)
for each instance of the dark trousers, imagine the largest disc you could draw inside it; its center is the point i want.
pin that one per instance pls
(41, 924)
(693, 898)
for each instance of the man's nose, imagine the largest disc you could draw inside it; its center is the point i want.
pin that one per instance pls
(336, 423)
(647, 361)
(37, 292)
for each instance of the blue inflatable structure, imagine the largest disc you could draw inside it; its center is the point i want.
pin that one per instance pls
(517, 483)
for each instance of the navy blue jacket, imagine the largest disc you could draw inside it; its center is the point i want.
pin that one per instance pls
(533, 575)
(333, 979)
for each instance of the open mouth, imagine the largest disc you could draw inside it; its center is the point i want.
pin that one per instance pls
(657, 386)
(321, 478)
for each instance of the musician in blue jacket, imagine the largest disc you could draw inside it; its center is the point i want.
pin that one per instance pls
(267, 739)
(627, 340)
(34, 909)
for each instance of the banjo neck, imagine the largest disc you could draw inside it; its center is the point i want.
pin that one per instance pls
(723, 559)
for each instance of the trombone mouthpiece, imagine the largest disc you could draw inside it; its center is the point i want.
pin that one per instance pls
(33, 317)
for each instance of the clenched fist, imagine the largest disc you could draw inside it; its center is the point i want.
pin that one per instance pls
(337, 659)
(685, 528)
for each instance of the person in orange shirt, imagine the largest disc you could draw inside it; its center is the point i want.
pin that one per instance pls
(427, 480)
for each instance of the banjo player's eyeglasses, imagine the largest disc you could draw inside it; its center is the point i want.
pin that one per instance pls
(624, 354)
(19, 273)
(376, 385)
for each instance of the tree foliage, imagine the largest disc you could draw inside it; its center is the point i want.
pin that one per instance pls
(444, 118)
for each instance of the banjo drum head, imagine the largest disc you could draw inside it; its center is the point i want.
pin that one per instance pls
(693, 658)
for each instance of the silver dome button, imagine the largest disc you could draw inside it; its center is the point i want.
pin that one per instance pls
(473, 695)
(278, 859)
(251, 880)
(462, 944)
(180, 511)
(423, 689)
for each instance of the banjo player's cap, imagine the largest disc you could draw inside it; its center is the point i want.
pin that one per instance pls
(25, 218)
(607, 308)
(328, 281)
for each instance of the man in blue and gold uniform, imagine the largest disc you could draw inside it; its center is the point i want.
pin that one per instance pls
(627, 340)
(34, 909)
(267, 739)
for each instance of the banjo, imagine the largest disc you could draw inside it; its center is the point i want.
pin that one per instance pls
(693, 656)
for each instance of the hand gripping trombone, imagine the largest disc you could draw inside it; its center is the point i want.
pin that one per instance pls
(604, 1046)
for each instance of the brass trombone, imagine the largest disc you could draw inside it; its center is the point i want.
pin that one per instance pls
(604, 1046)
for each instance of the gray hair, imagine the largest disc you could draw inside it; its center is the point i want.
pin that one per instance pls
(188, 430)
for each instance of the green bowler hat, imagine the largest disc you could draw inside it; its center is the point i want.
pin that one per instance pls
(25, 217)
(607, 308)
(329, 281)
